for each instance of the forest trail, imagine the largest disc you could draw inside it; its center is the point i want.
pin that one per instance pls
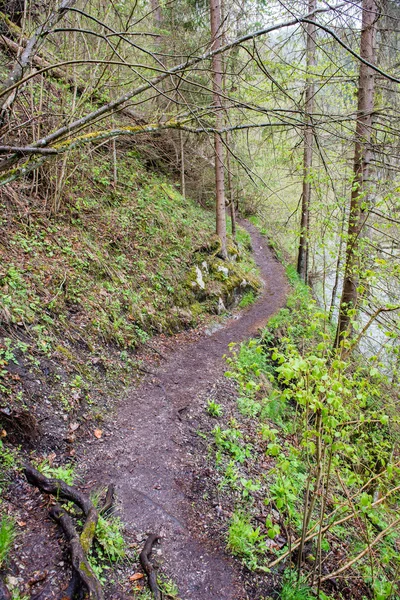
(149, 454)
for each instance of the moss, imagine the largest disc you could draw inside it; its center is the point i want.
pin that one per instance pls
(84, 567)
(87, 536)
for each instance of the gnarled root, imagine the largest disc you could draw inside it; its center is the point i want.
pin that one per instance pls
(79, 545)
(147, 565)
(79, 559)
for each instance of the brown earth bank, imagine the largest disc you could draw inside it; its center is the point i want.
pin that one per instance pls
(151, 451)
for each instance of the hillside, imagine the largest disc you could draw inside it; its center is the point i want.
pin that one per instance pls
(199, 300)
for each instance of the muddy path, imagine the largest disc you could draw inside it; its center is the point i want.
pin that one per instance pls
(148, 453)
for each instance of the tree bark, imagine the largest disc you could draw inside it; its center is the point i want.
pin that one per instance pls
(217, 76)
(182, 152)
(230, 188)
(361, 169)
(302, 260)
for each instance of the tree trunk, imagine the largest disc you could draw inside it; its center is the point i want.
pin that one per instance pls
(302, 260)
(362, 159)
(215, 9)
(230, 188)
(157, 20)
(183, 180)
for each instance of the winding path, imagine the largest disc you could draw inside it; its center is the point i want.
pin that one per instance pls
(148, 457)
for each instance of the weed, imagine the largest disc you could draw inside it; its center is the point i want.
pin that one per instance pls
(229, 441)
(110, 543)
(294, 588)
(214, 409)
(247, 299)
(7, 457)
(244, 540)
(16, 594)
(168, 587)
(65, 472)
(7, 537)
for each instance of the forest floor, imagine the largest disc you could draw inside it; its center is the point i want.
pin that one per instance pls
(150, 447)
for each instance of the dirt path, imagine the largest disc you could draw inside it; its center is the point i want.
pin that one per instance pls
(149, 455)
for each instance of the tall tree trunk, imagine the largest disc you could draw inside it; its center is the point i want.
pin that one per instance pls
(362, 159)
(215, 10)
(182, 152)
(231, 191)
(157, 20)
(302, 260)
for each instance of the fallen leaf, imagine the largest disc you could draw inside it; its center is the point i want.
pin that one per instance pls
(136, 576)
(3, 433)
(98, 433)
(74, 426)
(21, 523)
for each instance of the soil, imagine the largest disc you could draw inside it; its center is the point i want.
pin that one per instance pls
(151, 451)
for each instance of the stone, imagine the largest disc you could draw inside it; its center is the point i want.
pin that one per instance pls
(221, 306)
(223, 270)
(199, 279)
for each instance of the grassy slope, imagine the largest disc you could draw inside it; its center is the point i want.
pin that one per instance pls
(113, 268)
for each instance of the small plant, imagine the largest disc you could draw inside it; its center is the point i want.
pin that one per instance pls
(244, 540)
(17, 595)
(7, 459)
(109, 539)
(214, 409)
(7, 537)
(64, 472)
(294, 588)
(168, 588)
(248, 299)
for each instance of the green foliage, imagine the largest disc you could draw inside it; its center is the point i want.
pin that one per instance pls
(110, 543)
(230, 442)
(65, 472)
(328, 428)
(244, 540)
(8, 462)
(7, 457)
(294, 588)
(248, 299)
(214, 409)
(168, 587)
(16, 594)
(7, 537)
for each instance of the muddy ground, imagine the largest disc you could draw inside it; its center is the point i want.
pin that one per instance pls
(151, 452)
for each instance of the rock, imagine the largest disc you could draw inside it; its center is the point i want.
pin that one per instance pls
(205, 266)
(244, 283)
(223, 270)
(12, 581)
(221, 306)
(199, 279)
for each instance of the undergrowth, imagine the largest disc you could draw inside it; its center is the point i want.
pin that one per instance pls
(311, 461)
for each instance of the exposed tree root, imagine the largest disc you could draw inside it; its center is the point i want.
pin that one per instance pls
(147, 565)
(79, 545)
(109, 500)
(80, 562)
